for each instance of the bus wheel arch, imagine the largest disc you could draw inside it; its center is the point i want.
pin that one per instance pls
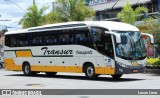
(26, 68)
(89, 70)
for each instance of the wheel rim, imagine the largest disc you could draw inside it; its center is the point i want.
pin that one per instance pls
(90, 71)
(27, 69)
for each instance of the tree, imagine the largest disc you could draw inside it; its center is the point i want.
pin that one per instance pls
(152, 25)
(34, 17)
(128, 15)
(73, 10)
(52, 17)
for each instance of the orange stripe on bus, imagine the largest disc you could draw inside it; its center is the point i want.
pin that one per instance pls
(10, 65)
(24, 53)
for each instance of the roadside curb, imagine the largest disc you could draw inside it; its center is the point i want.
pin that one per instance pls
(156, 71)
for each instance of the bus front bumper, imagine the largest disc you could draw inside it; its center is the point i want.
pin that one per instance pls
(129, 69)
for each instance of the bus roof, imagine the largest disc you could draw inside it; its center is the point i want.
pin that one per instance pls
(110, 25)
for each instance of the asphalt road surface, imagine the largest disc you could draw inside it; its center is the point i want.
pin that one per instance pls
(16, 80)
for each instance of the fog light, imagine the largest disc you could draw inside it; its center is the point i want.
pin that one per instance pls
(121, 70)
(122, 65)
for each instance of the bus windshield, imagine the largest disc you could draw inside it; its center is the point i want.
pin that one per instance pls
(131, 47)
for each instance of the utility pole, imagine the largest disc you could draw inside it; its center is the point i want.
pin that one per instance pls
(33, 1)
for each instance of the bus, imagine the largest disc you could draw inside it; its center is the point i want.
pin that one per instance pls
(91, 47)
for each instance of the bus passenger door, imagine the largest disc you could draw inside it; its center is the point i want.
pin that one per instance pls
(109, 55)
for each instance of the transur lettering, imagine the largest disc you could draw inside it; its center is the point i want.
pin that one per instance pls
(52, 52)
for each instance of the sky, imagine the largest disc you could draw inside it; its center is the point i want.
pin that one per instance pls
(13, 10)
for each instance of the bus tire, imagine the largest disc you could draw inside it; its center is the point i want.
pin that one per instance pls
(27, 70)
(116, 76)
(90, 71)
(50, 74)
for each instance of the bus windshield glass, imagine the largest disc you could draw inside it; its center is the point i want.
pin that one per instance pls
(132, 46)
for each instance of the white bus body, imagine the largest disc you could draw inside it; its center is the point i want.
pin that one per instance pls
(91, 47)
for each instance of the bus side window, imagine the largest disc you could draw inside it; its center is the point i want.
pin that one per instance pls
(98, 34)
(50, 38)
(82, 37)
(109, 46)
(36, 39)
(66, 37)
(8, 40)
(13, 41)
(23, 39)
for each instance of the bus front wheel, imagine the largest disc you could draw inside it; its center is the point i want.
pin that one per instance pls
(90, 72)
(27, 70)
(116, 76)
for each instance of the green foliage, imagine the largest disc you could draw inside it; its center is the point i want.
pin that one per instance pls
(153, 63)
(73, 10)
(4, 30)
(152, 25)
(128, 15)
(52, 17)
(33, 17)
(67, 10)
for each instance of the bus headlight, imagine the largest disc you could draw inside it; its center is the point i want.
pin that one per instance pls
(122, 65)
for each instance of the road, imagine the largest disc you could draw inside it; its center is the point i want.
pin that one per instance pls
(16, 80)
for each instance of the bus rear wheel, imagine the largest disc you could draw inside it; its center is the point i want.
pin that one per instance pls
(50, 74)
(117, 76)
(27, 70)
(90, 72)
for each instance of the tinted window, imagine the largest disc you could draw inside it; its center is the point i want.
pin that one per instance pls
(8, 40)
(102, 41)
(22, 40)
(66, 37)
(50, 38)
(108, 50)
(36, 39)
(82, 37)
(98, 37)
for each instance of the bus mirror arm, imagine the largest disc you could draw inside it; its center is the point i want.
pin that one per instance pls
(150, 36)
(118, 37)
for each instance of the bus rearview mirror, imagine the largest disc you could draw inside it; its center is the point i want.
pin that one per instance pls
(150, 36)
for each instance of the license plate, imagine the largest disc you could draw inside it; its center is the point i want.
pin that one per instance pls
(135, 71)
(134, 64)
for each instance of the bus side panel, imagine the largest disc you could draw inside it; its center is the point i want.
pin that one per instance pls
(10, 62)
(99, 67)
(77, 64)
(109, 66)
(90, 59)
(11, 65)
(52, 64)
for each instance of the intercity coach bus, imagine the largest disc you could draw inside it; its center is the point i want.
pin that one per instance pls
(90, 47)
